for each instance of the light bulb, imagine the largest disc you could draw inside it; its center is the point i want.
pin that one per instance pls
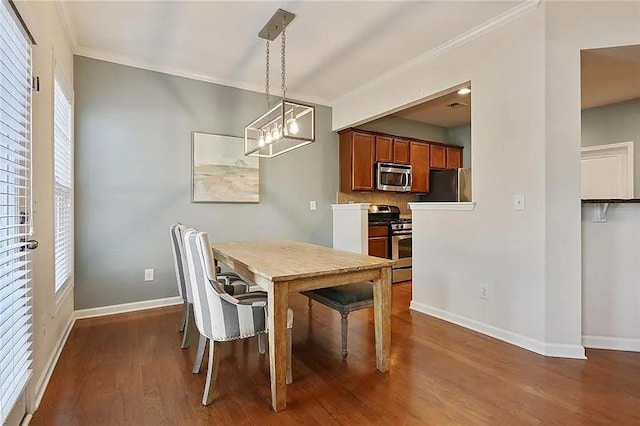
(268, 138)
(293, 127)
(261, 140)
(276, 133)
(464, 91)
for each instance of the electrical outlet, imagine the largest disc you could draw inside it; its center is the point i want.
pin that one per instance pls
(148, 274)
(484, 291)
(312, 205)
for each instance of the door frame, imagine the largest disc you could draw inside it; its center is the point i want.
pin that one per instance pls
(614, 149)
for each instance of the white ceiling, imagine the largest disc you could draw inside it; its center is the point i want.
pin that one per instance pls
(438, 112)
(610, 75)
(332, 47)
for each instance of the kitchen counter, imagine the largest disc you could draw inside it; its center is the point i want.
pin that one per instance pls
(612, 200)
(446, 206)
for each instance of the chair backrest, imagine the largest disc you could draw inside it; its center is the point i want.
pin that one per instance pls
(180, 261)
(219, 316)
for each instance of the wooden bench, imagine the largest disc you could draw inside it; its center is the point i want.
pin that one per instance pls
(344, 299)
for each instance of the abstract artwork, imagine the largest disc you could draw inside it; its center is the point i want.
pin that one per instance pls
(221, 172)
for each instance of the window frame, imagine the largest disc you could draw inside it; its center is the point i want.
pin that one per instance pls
(59, 78)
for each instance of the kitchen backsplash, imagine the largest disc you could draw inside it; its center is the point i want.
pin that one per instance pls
(391, 198)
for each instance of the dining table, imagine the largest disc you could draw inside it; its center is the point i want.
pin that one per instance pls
(282, 267)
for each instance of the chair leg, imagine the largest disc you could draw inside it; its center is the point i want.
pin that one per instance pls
(289, 346)
(310, 303)
(261, 343)
(212, 372)
(345, 323)
(202, 346)
(185, 336)
(185, 310)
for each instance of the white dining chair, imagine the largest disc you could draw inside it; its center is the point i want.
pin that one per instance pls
(220, 316)
(233, 284)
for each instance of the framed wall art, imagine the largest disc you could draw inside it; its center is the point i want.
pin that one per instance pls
(221, 173)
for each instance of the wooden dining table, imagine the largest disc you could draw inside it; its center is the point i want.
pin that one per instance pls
(282, 267)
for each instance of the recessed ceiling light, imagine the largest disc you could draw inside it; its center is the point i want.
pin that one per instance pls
(464, 91)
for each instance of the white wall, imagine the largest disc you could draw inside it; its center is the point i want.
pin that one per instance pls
(456, 252)
(526, 140)
(611, 278)
(571, 26)
(50, 322)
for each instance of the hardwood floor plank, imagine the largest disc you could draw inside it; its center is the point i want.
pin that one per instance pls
(129, 369)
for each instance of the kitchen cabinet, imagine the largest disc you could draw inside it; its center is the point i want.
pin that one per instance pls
(419, 154)
(379, 241)
(384, 149)
(401, 151)
(357, 158)
(438, 158)
(454, 158)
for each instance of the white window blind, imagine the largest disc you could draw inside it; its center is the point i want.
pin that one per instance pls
(63, 191)
(15, 210)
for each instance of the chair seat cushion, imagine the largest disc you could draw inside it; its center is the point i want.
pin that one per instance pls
(347, 294)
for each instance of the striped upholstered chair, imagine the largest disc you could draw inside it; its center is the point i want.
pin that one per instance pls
(220, 316)
(232, 282)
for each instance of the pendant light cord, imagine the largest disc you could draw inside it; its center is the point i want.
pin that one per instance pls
(283, 65)
(266, 77)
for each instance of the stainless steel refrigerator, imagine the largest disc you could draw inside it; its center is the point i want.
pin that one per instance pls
(448, 185)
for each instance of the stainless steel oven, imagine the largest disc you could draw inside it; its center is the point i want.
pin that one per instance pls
(401, 244)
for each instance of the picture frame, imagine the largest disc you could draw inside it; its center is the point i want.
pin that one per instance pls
(220, 172)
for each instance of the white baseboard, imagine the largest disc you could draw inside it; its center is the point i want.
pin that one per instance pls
(611, 343)
(43, 381)
(537, 346)
(128, 307)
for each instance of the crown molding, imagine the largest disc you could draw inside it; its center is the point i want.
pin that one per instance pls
(135, 63)
(504, 18)
(67, 24)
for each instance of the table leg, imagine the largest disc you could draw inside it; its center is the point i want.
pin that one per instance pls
(278, 297)
(382, 312)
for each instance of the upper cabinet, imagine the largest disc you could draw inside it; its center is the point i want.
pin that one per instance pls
(360, 150)
(438, 157)
(401, 151)
(419, 167)
(384, 149)
(454, 158)
(392, 150)
(357, 159)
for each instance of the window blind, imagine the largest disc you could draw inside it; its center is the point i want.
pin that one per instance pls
(15, 211)
(63, 190)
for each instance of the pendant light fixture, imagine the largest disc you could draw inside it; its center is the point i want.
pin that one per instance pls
(286, 125)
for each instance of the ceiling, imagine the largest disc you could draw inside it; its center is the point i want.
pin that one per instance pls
(610, 75)
(438, 112)
(332, 47)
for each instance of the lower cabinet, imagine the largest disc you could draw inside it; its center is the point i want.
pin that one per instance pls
(379, 241)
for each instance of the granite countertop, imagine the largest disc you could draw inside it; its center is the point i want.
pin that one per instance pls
(612, 200)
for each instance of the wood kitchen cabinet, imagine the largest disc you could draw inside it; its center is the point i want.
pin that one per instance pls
(379, 241)
(419, 154)
(357, 158)
(384, 149)
(438, 158)
(401, 151)
(454, 158)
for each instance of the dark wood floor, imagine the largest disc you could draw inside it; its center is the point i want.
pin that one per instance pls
(129, 370)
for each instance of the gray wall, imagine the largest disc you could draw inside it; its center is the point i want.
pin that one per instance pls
(461, 135)
(408, 128)
(615, 123)
(133, 178)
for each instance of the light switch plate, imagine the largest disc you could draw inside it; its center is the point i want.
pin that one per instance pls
(519, 202)
(312, 205)
(148, 274)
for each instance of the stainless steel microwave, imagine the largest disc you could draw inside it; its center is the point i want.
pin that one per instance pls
(393, 177)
